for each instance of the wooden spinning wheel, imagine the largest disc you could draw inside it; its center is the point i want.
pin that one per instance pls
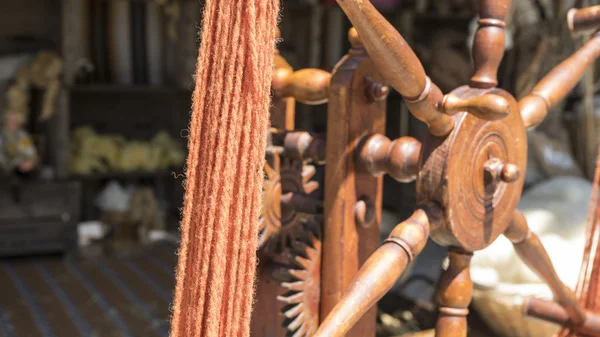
(469, 169)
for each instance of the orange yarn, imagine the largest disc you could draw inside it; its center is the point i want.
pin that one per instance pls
(217, 257)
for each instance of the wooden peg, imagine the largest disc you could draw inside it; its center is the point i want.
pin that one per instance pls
(497, 170)
(354, 39)
(398, 158)
(488, 46)
(398, 64)
(558, 83)
(488, 107)
(584, 21)
(376, 91)
(307, 86)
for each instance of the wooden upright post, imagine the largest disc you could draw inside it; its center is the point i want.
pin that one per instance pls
(352, 205)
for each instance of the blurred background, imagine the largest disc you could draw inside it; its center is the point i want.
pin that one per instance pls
(95, 103)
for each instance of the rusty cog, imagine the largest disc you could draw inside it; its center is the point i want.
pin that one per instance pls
(301, 283)
(279, 221)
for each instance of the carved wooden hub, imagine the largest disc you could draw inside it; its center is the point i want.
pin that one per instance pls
(467, 174)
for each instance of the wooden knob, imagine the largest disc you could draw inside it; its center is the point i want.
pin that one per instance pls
(307, 86)
(487, 107)
(354, 39)
(498, 170)
(585, 20)
(376, 91)
(398, 158)
(510, 173)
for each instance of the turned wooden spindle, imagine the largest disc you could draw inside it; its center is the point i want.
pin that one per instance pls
(398, 64)
(532, 252)
(488, 46)
(455, 293)
(398, 158)
(558, 83)
(307, 86)
(487, 107)
(380, 272)
(553, 312)
(584, 20)
(283, 109)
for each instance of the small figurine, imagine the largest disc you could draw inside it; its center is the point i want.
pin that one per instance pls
(18, 150)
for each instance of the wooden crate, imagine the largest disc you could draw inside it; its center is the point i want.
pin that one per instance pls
(38, 217)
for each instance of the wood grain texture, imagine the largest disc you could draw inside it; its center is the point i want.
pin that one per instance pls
(346, 246)
(398, 64)
(488, 46)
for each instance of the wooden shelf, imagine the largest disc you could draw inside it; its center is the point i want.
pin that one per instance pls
(125, 175)
(124, 89)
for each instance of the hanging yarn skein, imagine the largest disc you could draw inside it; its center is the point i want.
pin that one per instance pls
(227, 139)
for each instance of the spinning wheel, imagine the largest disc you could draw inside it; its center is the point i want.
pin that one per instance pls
(469, 169)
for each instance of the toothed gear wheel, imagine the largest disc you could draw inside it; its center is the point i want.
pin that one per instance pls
(301, 284)
(279, 222)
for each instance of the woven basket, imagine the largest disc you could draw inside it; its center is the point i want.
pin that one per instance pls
(502, 309)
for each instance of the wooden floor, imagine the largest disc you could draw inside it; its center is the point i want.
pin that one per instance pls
(117, 295)
(107, 294)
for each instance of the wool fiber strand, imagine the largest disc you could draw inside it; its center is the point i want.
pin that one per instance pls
(227, 139)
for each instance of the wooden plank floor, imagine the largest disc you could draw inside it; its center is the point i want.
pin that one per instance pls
(117, 295)
(106, 295)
